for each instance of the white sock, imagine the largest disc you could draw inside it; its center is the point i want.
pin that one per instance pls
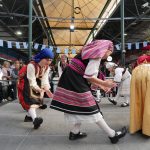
(28, 114)
(32, 112)
(76, 128)
(102, 124)
(127, 98)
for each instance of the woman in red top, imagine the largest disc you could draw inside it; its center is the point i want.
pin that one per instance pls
(140, 93)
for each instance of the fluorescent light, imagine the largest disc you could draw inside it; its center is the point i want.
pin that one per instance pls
(18, 32)
(72, 27)
(125, 34)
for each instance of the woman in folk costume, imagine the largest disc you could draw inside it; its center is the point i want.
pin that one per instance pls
(33, 82)
(122, 77)
(140, 95)
(73, 95)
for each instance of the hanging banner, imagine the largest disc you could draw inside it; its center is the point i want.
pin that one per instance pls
(18, 45)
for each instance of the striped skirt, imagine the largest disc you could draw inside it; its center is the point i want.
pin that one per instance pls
(73, 95)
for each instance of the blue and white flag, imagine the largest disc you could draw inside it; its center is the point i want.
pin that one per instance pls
(58, 50)
(137, 45)
(51, 48)
(1, 42)
(9, 44)
(129, 45)
(36, 45)
(25, 45)
(73, 51)
(43, 46)
(66, 51)
(144, 44)
(118, 47)
(17, 45)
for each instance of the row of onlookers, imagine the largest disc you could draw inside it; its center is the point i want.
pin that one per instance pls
(8, 81)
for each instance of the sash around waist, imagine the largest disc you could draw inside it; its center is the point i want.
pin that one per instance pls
(78, 66)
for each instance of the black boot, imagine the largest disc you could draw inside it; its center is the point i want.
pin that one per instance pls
(112, 101)
(79, 135)
(37, 122)
(44, 106)
(117, 136)
(27, 119)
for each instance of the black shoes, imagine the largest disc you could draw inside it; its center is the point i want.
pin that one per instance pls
(125, 104)
(117, 136)
(44, 106)
(27, 119)
(79, 135)
(37, 122)
(112, 101)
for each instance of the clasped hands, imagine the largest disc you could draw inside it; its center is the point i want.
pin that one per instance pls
(108, 85)
(44, 90)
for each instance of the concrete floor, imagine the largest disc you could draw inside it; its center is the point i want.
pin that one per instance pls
(53, 133)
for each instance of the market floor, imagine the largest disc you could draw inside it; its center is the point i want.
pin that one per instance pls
(53, 133)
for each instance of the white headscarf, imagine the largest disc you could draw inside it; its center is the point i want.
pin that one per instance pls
(110, 65)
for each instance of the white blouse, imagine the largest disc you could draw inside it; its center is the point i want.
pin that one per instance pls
(32, 78)
(92, 68)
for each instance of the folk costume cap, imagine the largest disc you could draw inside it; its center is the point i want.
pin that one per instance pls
(96, 49)
(44, 53)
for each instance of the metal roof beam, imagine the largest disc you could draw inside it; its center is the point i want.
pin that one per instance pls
(69, 44)
(68, 28)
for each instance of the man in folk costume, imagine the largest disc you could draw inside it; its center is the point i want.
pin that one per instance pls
(122, 77)
(140, 95)
(33, 82)
(73, 95)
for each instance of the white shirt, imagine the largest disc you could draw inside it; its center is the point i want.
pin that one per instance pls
(92, 68)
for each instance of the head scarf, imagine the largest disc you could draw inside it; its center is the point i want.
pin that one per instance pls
(96, 49)
(44, 53)
(110, 65)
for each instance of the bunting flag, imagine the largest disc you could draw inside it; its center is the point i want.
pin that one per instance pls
(43, 46)
(118, 47)
(37, 46)
(145, 44)
(51, 48)
(58, 50)
(66, 51)
(73, 51)
(9, 44)
(129, 46)
(1, 43)
(25, 45)
(137, 45)
(17, 45)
